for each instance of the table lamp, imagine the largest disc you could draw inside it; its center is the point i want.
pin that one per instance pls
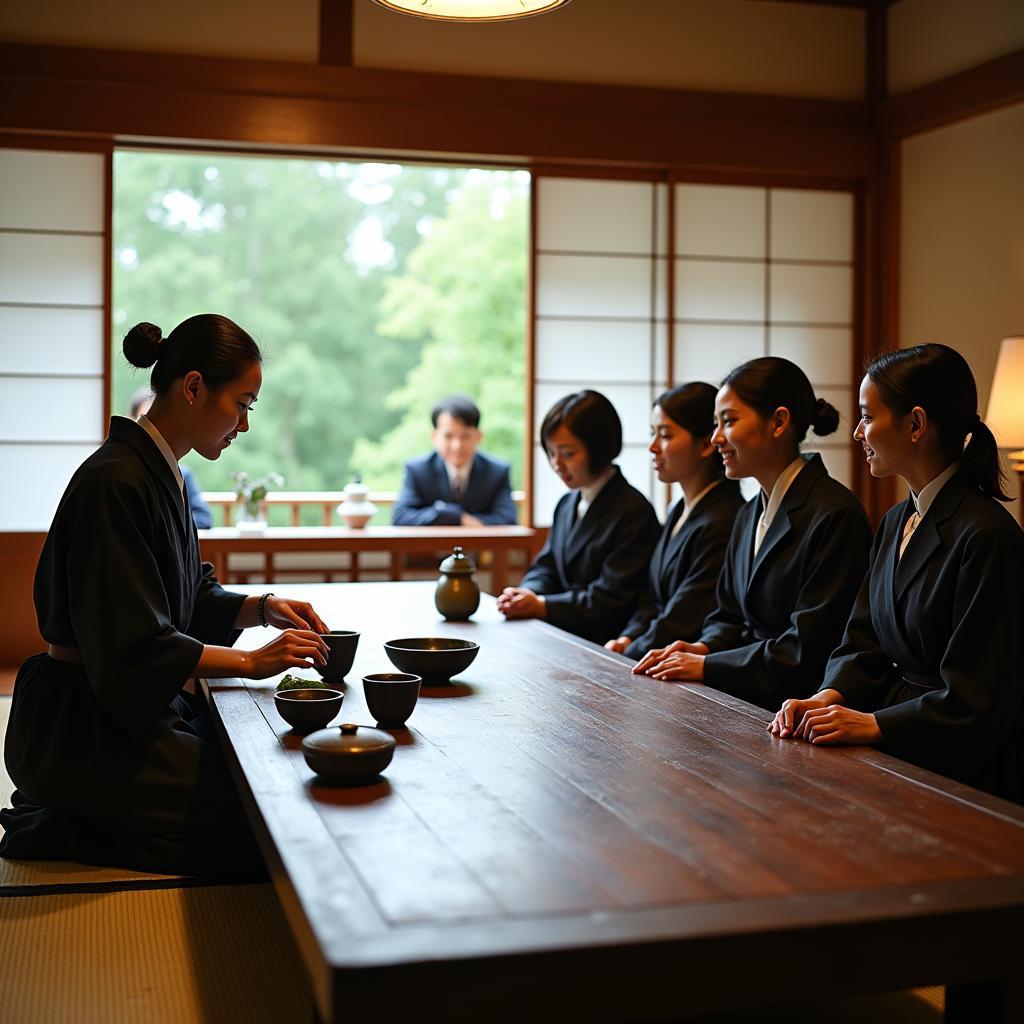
(1006, 404)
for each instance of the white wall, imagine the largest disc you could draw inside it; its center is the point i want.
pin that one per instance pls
(258, 29)
(791, 49)
(930, 39)
(962, 248)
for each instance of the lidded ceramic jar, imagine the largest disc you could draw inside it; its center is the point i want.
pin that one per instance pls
(457, 596)
(351, 753)
(356, 510)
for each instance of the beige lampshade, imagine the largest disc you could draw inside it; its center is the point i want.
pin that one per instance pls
(1005, 415)
(472, 10)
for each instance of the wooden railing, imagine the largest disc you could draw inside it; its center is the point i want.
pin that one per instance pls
(326, 501)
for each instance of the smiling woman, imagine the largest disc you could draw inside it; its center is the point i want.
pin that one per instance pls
(115, 762)
(797, 553)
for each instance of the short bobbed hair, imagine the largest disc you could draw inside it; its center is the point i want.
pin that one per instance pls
(592, 418)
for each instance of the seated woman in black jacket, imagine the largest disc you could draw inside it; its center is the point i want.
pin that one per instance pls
(932, 663)
(688, 558)
(797, 554)
(593, 566)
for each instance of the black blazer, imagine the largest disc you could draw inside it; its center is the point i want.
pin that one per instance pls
(781, 615)
(591, 571)
(935, 644)
(426, 495)
(684, 571)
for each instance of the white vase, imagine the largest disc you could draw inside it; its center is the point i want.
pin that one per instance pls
(249, 519)
(357, 510)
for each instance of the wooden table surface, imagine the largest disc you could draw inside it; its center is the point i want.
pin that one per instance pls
(218, 542)
(556, 837)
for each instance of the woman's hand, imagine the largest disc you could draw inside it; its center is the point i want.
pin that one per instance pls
(681, 667)
(838, 724)
(653, 658)
(791, 714)
(286, 614)
(618, 645)
(521, 603)
(294, 648)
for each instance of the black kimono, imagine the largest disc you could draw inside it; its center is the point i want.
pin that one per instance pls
(114, 764)
(781, 614)
(591, 570)
(684, 572)
(935, 644)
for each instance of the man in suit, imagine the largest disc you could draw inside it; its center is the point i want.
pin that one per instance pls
(455, 485)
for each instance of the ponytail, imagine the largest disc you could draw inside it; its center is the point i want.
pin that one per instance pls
(981, 462)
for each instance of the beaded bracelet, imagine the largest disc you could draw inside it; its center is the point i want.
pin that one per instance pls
(261, 609)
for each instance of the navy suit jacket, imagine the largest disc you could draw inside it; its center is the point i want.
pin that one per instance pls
(780, 615)
(201, 515)
(935, 644)
(684, 572)
(426, 496)
(592, 570)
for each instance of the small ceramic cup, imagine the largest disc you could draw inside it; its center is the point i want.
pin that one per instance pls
(342, 644)
(391, 696)
(307, 710)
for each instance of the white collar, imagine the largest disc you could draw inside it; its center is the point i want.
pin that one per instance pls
(930, 491)
(592, 490)
(697, 500)
(770, 505)
(163, 447)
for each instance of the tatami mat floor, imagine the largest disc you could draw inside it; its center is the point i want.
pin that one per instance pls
(223, 954)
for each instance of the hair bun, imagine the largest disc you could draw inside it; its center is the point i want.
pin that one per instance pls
(143, 345)
(824, 418)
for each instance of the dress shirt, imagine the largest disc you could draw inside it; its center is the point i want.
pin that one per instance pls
(923, 502)
(164, 449)
(458, 479)
(688, 508)
(770, 503)
(591, 491)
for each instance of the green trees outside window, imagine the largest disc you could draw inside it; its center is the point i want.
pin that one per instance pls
(374, 289)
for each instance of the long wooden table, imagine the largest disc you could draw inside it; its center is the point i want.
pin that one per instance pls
(558, 839)
(219, 542)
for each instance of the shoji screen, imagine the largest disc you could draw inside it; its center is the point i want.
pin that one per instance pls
(767, 272)
(756, 271)
(600, 272)
(53, 254)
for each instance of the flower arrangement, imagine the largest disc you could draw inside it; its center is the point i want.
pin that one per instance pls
(251, 495)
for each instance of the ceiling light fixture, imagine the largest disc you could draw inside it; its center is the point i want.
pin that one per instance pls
(472, 10)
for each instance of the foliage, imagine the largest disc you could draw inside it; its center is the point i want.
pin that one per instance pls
(462, 299)
(250, 491)
(370, 288)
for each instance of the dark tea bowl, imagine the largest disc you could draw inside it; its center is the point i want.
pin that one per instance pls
(434, 659)
(342, 644)
(308, 710)
(391, 697)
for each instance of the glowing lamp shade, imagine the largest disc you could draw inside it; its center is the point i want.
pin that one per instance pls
(1006, 403)
(472, 10)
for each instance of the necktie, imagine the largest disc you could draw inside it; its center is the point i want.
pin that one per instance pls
(457, 488)
(908, 532)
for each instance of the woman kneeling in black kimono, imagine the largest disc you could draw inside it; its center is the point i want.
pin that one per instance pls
(931, 668)
(688, 558)
(593, 566)
(797, 554)
(114, 762)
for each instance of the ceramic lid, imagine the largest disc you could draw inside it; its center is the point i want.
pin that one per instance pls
(457, 563)
(349, 740)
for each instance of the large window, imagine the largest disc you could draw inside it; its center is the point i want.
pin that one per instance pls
(374, 289)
